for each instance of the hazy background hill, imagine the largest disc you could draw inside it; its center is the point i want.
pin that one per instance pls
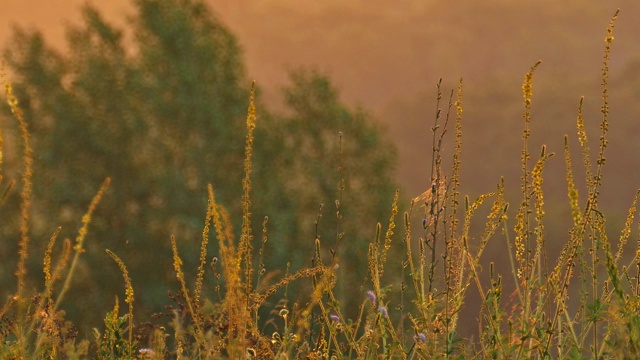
(389, 57)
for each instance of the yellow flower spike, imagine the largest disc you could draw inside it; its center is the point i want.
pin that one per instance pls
(78, 247)
(128, 293)
(245, 247)
(27, 185)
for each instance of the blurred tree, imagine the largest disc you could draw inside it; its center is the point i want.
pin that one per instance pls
(162, 114)
(333, 147)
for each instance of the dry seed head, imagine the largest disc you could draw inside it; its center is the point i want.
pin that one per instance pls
(435, 194)
(283, 313)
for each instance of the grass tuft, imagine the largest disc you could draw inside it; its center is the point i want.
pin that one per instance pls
(584, 303)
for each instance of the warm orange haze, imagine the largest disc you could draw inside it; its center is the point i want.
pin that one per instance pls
(387, 58)
(244, 215)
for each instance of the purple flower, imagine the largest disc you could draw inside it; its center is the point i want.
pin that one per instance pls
(383, 311)
(372, 296)
(421, 337)
(334, 318)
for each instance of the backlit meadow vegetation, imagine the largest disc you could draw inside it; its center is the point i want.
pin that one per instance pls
(236, 294)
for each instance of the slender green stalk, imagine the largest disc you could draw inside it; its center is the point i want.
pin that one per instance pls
(79, 246)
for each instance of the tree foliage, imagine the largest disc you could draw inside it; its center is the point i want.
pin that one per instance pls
(162, 114)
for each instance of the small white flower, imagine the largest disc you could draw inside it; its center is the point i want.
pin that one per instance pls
(146, 353)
